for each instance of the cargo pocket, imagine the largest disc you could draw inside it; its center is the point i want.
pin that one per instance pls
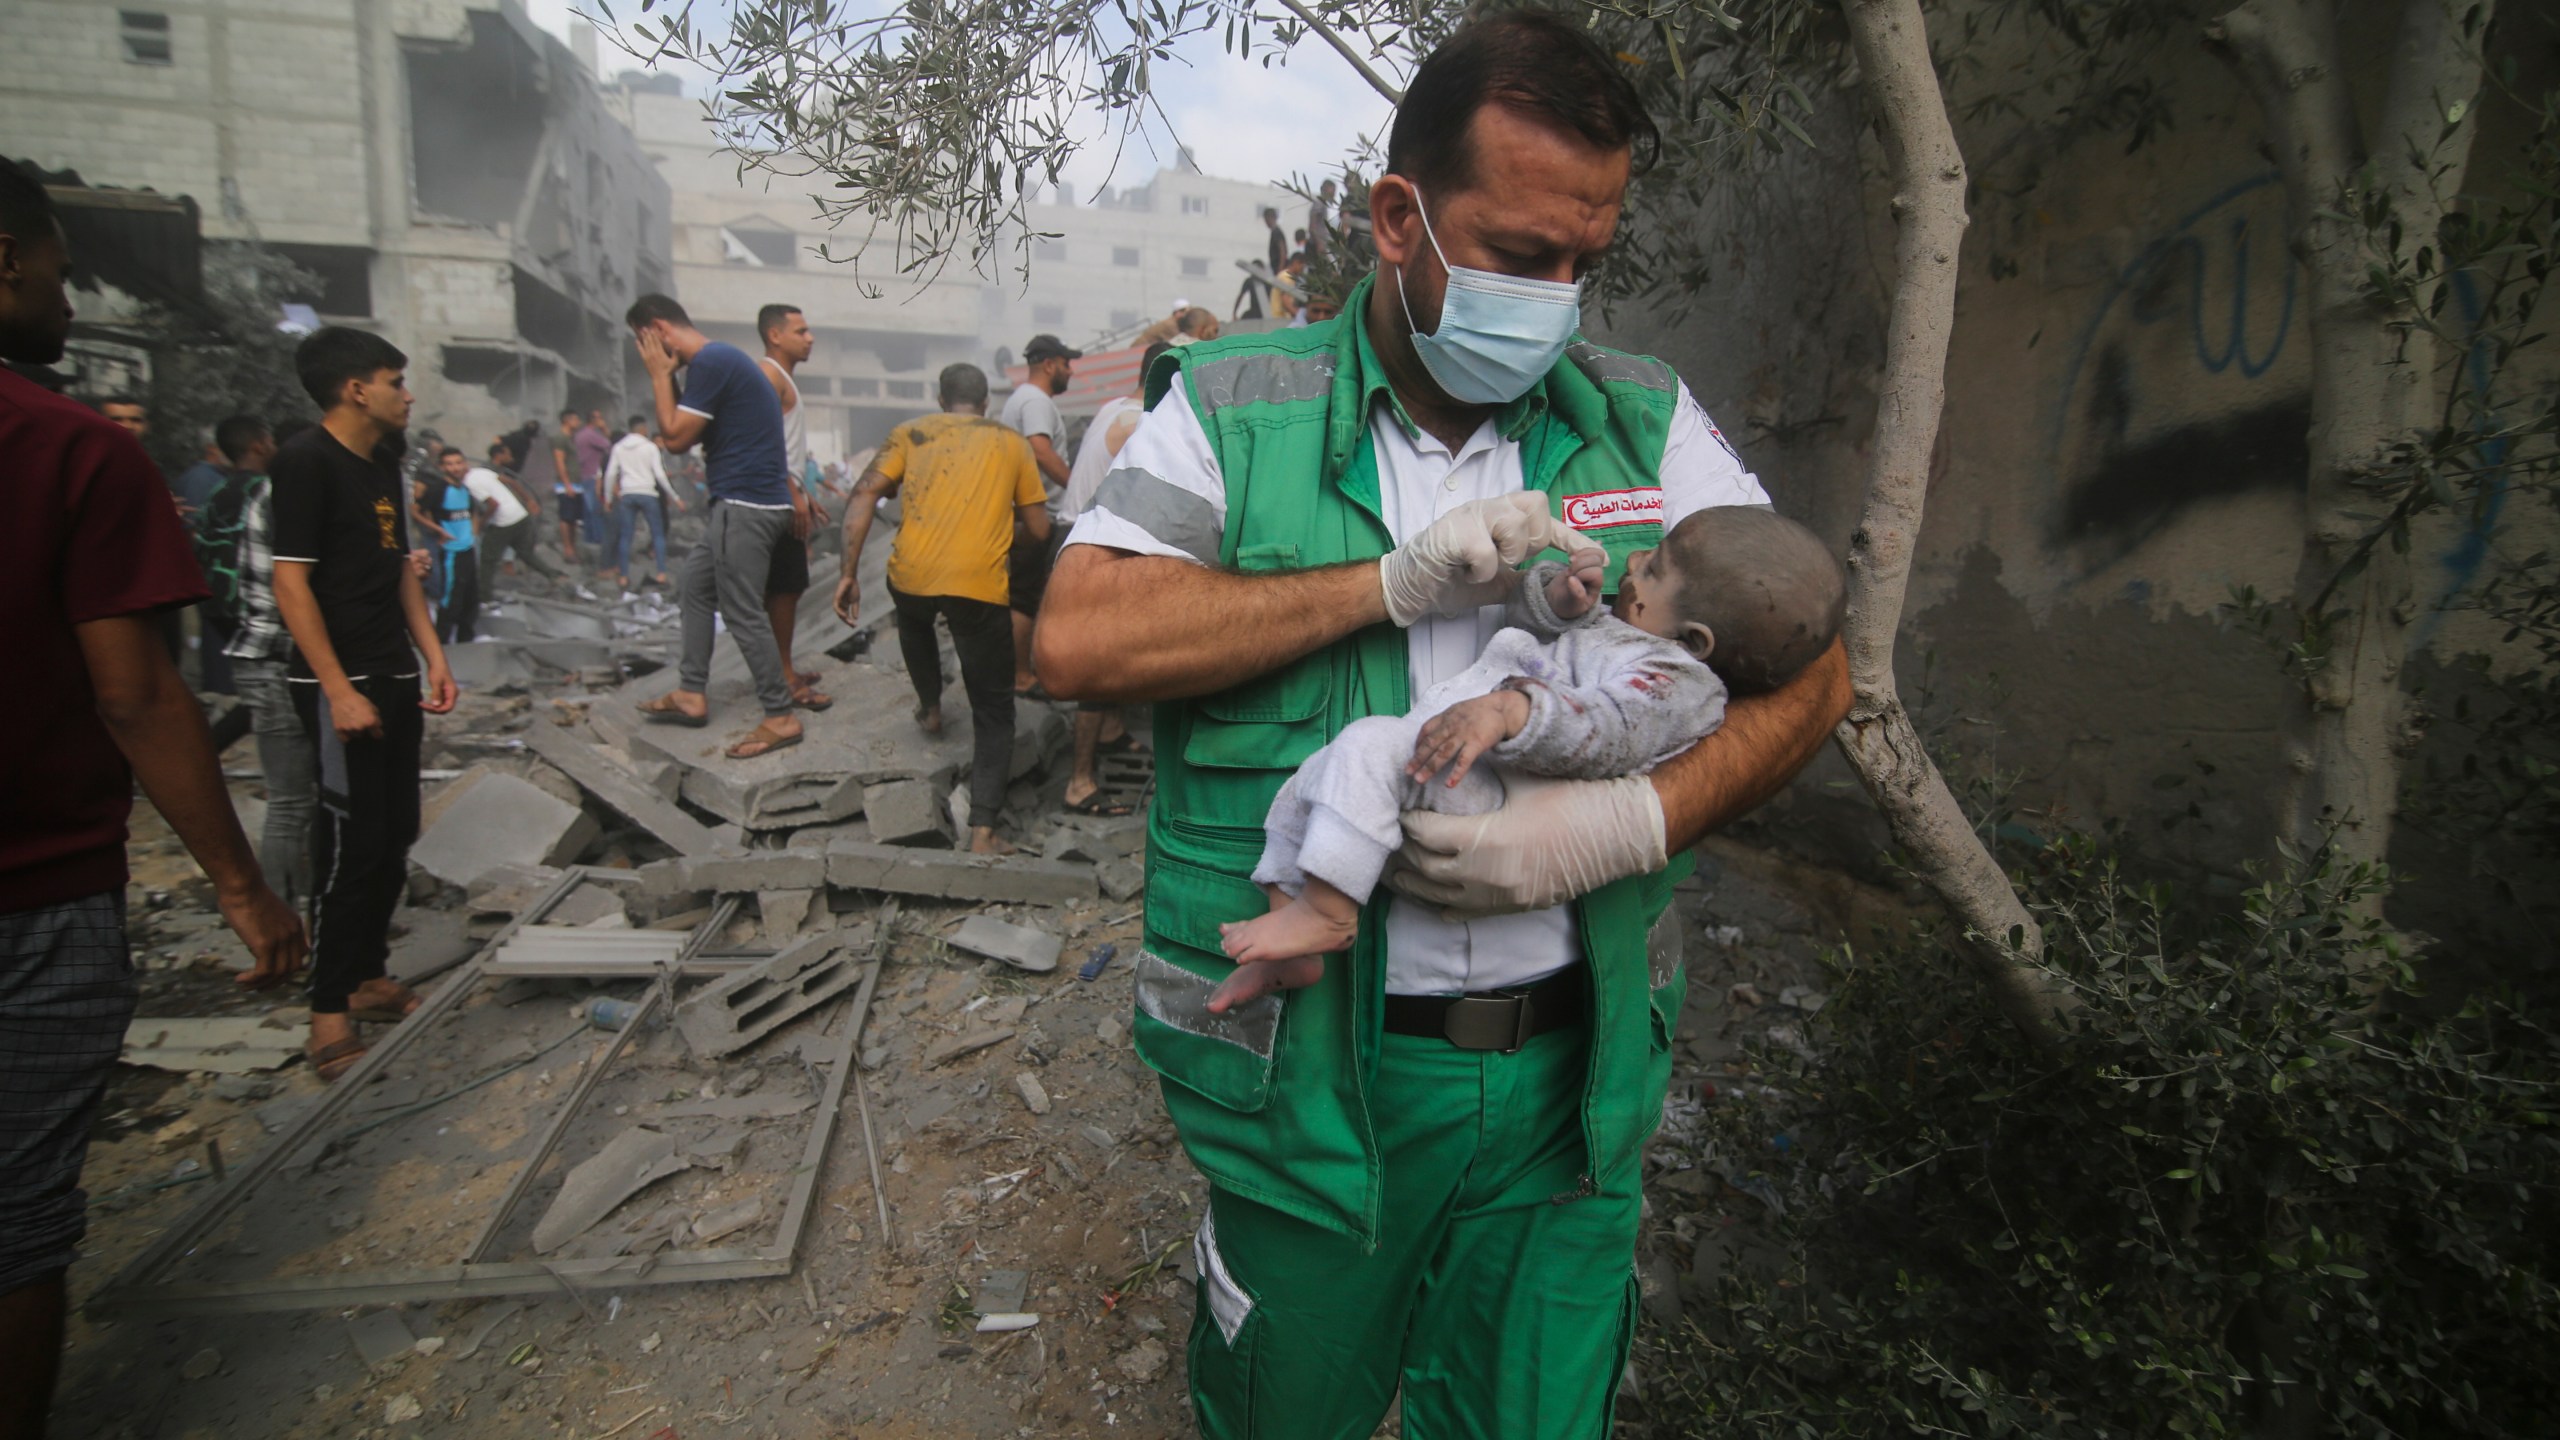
(1226, 1058)
(1224, 1336)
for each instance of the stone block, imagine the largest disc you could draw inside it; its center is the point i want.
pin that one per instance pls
(1120, 879)
(904, 812)
(502, 820)
(954, 875)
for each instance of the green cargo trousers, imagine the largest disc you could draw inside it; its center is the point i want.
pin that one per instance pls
(1499, 1298)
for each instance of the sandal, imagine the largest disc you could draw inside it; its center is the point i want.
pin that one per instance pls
(760, 741)
(1034, 691)
(932, 726)
(1098, 805)
(390, 1004)
(665, 711)
(810, 699)
(335, 1058)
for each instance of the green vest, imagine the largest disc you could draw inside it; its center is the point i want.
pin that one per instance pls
(1271, 1098)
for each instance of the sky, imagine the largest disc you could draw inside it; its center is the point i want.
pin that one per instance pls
(1242, 120)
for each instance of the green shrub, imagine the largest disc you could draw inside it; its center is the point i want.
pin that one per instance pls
(2263, 1194)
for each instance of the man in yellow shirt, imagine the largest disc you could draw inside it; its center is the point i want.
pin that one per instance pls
(964, 479)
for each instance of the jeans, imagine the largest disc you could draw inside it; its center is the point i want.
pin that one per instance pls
(982, 634)
(596, 518)
(726, 573)
(628, 511)
(368, 818)
(286, 755)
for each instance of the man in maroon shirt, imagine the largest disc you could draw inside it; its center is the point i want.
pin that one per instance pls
(90, 553)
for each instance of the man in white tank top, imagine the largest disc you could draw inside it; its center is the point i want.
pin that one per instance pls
(788, 341)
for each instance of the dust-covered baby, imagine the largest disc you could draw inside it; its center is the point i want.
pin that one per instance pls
(1734, 602)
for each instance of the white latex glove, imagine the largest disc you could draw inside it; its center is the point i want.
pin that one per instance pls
(1551, 841)
(1468, 557)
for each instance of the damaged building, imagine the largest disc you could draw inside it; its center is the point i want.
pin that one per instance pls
(446, 170)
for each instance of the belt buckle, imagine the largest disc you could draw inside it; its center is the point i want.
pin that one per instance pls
(1520, 1018)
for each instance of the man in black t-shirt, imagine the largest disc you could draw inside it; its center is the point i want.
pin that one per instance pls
(353, 603)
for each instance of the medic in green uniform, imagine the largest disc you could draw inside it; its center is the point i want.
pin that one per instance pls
(1424, 1167)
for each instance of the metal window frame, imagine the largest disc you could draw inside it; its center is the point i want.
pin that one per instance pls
(140, 1289)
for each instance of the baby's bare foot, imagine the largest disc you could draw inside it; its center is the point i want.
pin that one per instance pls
(1295, 929)
(1261, 977)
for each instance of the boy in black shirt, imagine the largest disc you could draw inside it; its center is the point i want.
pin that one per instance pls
(345, 588)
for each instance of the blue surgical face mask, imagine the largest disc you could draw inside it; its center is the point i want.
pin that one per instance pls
(1498, 335)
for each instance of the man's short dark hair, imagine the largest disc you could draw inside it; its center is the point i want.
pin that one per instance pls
(126, 397)
(1535, 62)
(639, 422)
(233, 435)
(332, 355)
(572, 413)
(771, 317)
(444, 450)
(26, 209)
(651, 308)
(501, 447)
(963, 384)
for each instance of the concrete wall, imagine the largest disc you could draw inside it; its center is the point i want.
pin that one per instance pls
(2124, 444)
(332, 129)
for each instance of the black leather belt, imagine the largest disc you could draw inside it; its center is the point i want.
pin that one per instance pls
(1501, 1020)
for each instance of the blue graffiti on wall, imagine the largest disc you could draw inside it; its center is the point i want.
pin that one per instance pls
(2128, 463)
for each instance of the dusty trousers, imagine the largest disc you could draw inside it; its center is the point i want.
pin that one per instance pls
(360, 848)
(287, 758)
(725, 573)
(1500, 1298)
(982, 634)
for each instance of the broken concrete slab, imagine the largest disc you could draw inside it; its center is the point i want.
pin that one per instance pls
(904, 812)
(954, 875)
(623, 793)
(737, 1010)
(760, 870)
(1019, 946)
(629, 1163)
(233, 1045)
(502, 820)
(488, 665)
(783, 914)
(943, 1052)
(511, 888)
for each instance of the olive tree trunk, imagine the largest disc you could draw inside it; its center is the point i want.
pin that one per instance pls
(2374, 376)
(1928, 177)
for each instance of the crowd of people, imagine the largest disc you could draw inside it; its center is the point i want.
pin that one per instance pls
(328, 564)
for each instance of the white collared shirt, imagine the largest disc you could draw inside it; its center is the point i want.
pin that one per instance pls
(1419, 480)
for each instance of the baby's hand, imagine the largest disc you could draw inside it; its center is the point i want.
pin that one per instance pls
(1576, 588)
(1452, 739)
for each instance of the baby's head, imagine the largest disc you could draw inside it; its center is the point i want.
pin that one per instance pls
(1753, 594)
